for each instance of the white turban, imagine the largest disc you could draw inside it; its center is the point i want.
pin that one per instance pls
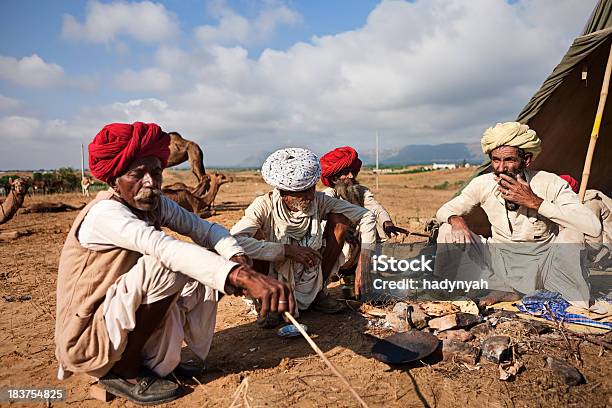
(511, 134)
(291, 169)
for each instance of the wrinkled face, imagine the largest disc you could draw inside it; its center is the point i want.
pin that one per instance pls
(507, 160)
(140, 186)
(298, 200)
(345, 176)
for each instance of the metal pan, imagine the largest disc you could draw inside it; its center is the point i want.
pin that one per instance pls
(402, 348)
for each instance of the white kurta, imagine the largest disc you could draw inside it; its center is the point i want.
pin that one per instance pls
(528, 248)
(168, 266)
(258, 218)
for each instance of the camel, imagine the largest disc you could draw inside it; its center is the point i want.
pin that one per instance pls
(14, 199)
(182, 150)
(85, 183)
(50, 208)
(199, 205)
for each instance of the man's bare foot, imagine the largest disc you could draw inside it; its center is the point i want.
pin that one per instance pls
(496, 296)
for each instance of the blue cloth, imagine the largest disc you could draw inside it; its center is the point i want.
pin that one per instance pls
(542, 303)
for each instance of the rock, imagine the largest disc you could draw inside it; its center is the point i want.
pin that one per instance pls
(482, 330)
(397, 324)
(444, 322)
(565, 371)
(416, 316)
(456, 335)
(455, 320)
(400, 309)
(439, 308)
(467, 319)
(497, 349)
(460, 352)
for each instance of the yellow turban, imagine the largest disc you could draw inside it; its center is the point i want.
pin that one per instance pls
(511, 134)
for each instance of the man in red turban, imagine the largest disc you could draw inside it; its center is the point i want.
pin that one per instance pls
(599, 248)
(339, 170)
(128, 294)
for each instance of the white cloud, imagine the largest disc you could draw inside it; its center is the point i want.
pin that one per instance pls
(150, 79)
(144, 21)
(31, 71)
(19, 127)
(34, 72)
(8, 103)
(419, 72)
(236, 29)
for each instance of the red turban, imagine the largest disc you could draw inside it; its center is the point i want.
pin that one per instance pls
(117, 145)
(571, 181)
(338, 160)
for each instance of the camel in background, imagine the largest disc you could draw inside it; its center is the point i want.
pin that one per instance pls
(85, 184)
(14, 199)
(182, 150)
(197, 204)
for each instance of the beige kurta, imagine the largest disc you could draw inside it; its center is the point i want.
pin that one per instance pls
(526, 247)
(600, 247)
(258, 218)
(349, 257)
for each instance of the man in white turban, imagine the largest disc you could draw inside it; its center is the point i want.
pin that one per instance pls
(537, 224)
(283, 229)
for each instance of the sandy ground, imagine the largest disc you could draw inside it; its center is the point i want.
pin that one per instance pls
(281, 372)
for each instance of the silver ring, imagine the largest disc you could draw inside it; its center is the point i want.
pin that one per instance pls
(282, 301)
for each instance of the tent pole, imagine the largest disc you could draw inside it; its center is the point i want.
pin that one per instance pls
(595, 133)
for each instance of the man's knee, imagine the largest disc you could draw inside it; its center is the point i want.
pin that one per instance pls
(158, 281)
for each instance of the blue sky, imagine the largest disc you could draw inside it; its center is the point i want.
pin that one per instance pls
(245, 77)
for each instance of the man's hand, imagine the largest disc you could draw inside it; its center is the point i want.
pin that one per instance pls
(391, 230)
(242, 259)
(460, 231)
(273, 295)
(518, 191)
(304, 255)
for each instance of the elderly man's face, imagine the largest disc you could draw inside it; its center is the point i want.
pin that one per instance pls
(298, 200)
(506, 160)
(345, 176)
(140, 186)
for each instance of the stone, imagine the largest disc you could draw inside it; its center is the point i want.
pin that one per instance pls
(483, 330)
(456, 335)
(397, 323)
(497, 349)
(459, 352)
(455, 320)
(565, 371)
(400, 309)
(444, 322)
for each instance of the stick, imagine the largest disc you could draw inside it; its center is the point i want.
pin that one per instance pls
(326, 360)
(586, 172)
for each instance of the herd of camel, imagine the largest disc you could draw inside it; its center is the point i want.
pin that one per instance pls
(198, 199)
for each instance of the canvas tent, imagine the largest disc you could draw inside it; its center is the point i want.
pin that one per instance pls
(562, 111)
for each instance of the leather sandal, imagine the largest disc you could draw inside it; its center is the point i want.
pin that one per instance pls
(148, 390)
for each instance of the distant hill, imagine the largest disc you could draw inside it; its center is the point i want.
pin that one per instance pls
(411, 154)
(425, 154)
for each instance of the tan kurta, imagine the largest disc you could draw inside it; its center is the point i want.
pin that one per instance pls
(369, 203)
(600, 247)
(258, 218)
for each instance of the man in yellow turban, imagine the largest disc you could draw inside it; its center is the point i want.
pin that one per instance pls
(537, 225)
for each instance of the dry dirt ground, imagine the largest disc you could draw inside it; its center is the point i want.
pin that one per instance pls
(280, 372)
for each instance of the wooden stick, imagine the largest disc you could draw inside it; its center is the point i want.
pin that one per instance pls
(326, 360)
(586, 172)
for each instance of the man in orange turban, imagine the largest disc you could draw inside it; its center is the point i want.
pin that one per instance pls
(128, 294)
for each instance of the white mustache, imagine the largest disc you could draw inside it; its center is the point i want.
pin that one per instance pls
(148, 193)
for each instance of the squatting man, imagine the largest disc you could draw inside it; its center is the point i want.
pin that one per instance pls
(537, 224)
(128, 294)
(283, 230)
